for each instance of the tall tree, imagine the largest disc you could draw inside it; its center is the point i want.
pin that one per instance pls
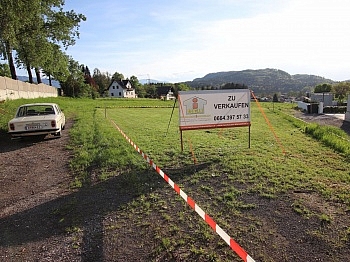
(44, 20)
(341, 90)
(74, 85)
(89, 80)
(275, 98)
(180, 87)
(56, 64)
(323, 88)
(102, 80)
(151, 90)
(10, 21)
(118, 76)
(139, 89)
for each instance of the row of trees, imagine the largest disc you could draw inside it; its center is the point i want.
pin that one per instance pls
(34, 35)
(102, 81)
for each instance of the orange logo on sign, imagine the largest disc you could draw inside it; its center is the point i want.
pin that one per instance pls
(195, 105)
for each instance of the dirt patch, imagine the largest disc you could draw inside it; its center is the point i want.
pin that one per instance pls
(32, 170)
(322, 119)
(43, 219)
(33, 173)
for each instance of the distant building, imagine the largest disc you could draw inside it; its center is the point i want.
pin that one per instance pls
(326, 98)
(121, 89)
(165, 93)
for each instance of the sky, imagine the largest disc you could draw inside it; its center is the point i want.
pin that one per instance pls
(176, 41)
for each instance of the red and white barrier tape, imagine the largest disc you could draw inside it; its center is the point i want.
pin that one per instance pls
(233, 244)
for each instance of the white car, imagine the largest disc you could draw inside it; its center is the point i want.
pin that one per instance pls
(37, 119)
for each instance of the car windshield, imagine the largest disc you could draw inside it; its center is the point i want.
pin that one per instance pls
(35, 110)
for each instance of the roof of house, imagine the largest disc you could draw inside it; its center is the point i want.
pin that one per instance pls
(164, 90)
(122, 83)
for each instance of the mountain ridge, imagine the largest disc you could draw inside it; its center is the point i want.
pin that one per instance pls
(261, 80)
(45, 81)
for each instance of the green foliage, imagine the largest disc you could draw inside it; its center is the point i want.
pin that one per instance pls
(323, 88)
(5, 70)
(140, 91)
(332, 137)
(139, 88)
(234, 86)
(118, 76)
(74, 85)
(334, 110)
(275, 98)
(300, 208)
(33, 35)
(150, 90)
(180, 87)
(96, 147)
(102, 80)
(325, 219)
(55, 64)
(341, 90)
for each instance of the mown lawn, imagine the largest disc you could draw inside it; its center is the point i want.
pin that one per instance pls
(286, 180)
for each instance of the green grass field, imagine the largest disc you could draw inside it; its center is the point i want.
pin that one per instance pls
(216, 168)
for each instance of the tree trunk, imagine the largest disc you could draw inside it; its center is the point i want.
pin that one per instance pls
(38, 76)
(50, 80)
(30, 74)
(10, 61)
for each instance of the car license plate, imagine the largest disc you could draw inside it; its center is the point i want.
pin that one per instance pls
(33, 127)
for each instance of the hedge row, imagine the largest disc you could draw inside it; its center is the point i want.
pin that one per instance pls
(334, 110)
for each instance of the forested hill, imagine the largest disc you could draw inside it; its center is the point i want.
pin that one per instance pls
(261, 81)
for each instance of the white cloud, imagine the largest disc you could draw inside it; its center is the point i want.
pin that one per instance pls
(174, 43)
(307, 37)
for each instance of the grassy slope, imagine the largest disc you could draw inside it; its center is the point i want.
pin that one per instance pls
(223, 182)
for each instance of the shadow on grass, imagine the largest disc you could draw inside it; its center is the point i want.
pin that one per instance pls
(346, 127)
(84, 210)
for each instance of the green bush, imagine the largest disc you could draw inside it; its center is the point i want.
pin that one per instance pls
(334, 110)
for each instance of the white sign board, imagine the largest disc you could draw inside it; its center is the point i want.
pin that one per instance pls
(214, 108)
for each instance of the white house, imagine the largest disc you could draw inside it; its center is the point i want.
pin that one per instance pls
(121, 88)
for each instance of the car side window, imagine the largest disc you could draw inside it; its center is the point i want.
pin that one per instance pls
(58, 109)
(21, 112)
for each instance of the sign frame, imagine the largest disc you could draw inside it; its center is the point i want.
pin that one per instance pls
(207, 109)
